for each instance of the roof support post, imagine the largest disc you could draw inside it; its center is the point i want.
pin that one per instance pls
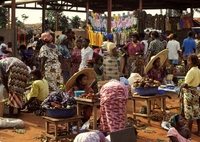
(13, 26)
(140, 24)
(109, 16)
(87, 12)
(43, 16)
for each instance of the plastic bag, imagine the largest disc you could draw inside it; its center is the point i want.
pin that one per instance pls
(86, 125)
(11, 122)
(124, 80)
(165, 125)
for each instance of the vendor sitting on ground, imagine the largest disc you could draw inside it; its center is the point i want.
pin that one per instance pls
(178, 132)
(155, 70)
(82, 80)
(38, 93)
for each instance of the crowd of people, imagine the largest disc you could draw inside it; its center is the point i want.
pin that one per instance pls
(53, 64)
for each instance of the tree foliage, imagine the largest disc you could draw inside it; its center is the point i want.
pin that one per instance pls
(76, 21)
(3, 17)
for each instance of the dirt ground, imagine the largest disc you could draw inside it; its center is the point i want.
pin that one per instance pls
(34, 126)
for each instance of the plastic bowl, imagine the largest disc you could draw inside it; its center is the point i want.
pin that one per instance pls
(170, 86)
(77, 93)
(61, 113)
(147, 91)
(196, 29)
(160, 92)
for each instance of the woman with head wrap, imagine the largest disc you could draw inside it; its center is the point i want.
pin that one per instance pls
(14, 76)
(178, 131)
(51, 62)
(66, 57)
(110, 64)
(134, 49)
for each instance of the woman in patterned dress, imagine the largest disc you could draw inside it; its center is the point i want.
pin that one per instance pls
(51, 62)
(66, 57)
(114, 95)
(14, 75)
(189, 95)
(76, 57)
(134, 50)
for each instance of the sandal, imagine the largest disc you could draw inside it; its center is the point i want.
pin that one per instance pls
(197, 133)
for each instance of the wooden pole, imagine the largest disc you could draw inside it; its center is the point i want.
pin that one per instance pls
(13, 27)
(43, 16)
(140, 28)
(109, 16)
(87, 11)
(8, 18)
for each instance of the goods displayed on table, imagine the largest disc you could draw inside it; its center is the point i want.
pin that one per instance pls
(91, 96)
(146, 86)
(59, 105)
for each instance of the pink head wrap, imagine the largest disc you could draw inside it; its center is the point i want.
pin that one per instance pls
(46, 37)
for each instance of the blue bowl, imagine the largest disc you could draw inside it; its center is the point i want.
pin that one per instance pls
(196, 29)
(160, 92)
(77, 93)
(146, 91)
(61, 113)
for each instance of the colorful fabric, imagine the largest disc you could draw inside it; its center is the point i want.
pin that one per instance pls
(189, 100)
(114, 95)
(192, 77)
(157, 74)
(155, 47)
(110, 67)
(16, 72)
(39, 89)
(52, 66)
(87, 90)
(34, 105)
(65, 51)
(136, 65)
(62, 98)
(134, 48)
(76, 60)
(174, 133)
(92, 136)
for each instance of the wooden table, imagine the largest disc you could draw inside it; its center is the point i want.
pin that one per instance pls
(93, 103)
(52, 130)
(148, 99)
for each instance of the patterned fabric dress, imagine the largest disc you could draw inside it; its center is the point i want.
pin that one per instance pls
(76, 60)
(189, 100)
(16, 73)
(114, 96)
(52, 66)
(66, 62)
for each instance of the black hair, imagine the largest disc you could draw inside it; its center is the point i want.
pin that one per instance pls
(136, 35)
(194, 59)
(79, 78)
(190, 34)
(78, 40)
(22, 47)
(155, 34)
(142, 35)
(175, 36)
(2, 38)
(86, 39)
(37, 73)
(176, 119)
(9, 44)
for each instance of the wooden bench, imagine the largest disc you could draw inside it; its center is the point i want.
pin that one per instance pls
(52, 130)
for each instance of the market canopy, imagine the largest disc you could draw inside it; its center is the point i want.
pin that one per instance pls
(101, 5)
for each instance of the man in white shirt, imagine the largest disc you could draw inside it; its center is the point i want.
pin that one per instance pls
(86, 53)
(174, 51)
